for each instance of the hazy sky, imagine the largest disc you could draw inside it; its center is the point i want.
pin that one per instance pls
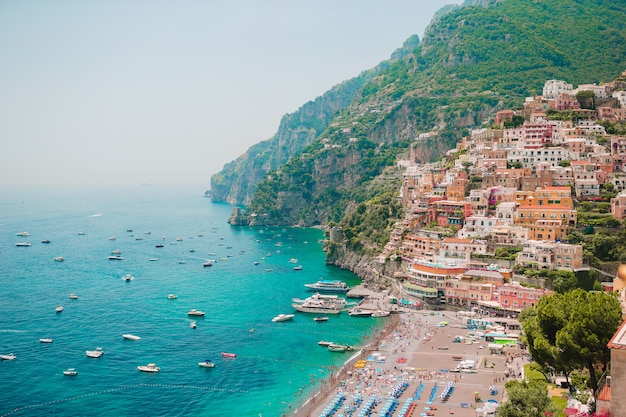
(167, 92)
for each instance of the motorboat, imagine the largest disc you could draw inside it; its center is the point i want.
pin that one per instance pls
(153, 259)
(24, 234)
(172, 296)
(58, 308)
(151, 367)
(320, 318)
(194, 312)
(283, 317)
(206, 364)
(70, 372)
(45, 340)
(116, 252)
(131, 336)
(357, 312)
(297, 268)
(7, 357)
(228, 355)
(73, 296)
(112, 238)
(159, 245)
(45, 241)
(380, 313)
(22, 244)
(82, 233)
(58, 259)
(339, 348)
(128, 277)
(320, 304)
(94, 353)
(207, 263)
(325, 343)
(115, 258)
(331, 286)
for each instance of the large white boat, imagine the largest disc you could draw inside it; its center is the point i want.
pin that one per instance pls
(194, 312)
(131, 336)
(320, 304)
(332, 286)
(283, 317)
(94, 353)
(151, 367)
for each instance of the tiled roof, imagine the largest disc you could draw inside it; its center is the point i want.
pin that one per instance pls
(618, 341)
(605, 393)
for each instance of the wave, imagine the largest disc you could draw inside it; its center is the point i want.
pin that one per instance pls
(12, 331)
(95, 215)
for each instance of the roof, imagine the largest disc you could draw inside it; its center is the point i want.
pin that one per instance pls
(457, 240)
(618, 341)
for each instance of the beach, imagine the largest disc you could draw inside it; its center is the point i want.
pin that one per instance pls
(411, 367)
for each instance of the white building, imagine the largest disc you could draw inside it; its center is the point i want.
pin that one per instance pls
(553, 88)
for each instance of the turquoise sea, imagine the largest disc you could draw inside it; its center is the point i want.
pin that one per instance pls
(278, 365)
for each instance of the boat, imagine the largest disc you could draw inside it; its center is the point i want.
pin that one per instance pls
(332, 286)
(357, 312)
(7, 357)
(194, 312)
(207, 263)
(182, 262)
(25, 234)
(112, 238)
(380, 313)
(116, 252)
(73, 296)
(193, 325)
(82, 233)
(320, 318)
(70, 372)
(131, 336)
(45, 241)
(153, 259)
(339, 348)
(256, 262)
(58, 259)
(320, 304)
(206, 364)
(172, 296)
(58, 309)
(45, 340)
(94, 353)
(159, 245)
(283, 317)
(115, 258)
(325, 343)
(23, 244)
(297, 268)
(151, 367)
(228, 355)
(128, 277)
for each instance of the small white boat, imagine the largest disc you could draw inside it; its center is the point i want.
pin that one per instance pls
(297, 268)
(45, 241)
(207, 263)
(339, 348)
(112, 238)
(380, 313)
(182, 262)
(151, 367)
(25, 234)
(153, 259)
(70, 372)
(194, 312)
(172, 296)
(45, 340)
(22, 244)
(58, 309)
(82, 233)
(357, 312)
(94, 353)
(58, 259)
(283, 317)
(7, 357)
(128, 277)
(73, 296)
(131, 336)
(206, 364)
(116, 252)
(115, 258)
(325, 343)
(320, 318)
(193, 325)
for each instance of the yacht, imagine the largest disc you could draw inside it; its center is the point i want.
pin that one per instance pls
(151, 367)
(194, 312)
(357, 312)
(332, 286)
(70, 372)
(7, 357)
(320, 304)
(131, 336)
(94, 353)
(283, 317)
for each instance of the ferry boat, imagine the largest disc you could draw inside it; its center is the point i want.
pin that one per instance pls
(320, 304)
(332, 286)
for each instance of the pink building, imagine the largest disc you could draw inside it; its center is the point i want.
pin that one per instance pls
(515, 297)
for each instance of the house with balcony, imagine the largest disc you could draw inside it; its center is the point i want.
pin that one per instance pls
(618, 206)
(477, 227)
(509, 235)
(451, 213)
(516, 298)
(547, 213)
(551, 255)
(427, 280)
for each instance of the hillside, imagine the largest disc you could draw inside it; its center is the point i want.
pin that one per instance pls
(472, 62)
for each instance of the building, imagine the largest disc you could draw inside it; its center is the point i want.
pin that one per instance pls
(516, 298)
(551, 255)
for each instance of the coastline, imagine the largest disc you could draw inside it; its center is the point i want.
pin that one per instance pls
(421, 354)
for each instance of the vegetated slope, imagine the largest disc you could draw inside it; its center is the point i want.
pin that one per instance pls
(471, 63)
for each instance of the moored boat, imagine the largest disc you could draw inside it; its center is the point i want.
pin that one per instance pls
(70, 372)
(7, 357)
(94, 353)
(320, 318)
(131, 336)
(194, 312)
(380, 313)
(320, 304)
(228, 355)
(73, 296)
(325, 343)
(58, 309)
(357, 312)
(23, 244)
(151, 367)
(339, 348)
(206, 364)
(283, 317)
(45, 340)
(329, 286)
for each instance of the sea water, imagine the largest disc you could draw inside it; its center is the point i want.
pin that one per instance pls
(278, 365)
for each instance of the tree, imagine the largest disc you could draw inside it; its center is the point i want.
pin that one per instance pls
(571, 331)
(526, 400)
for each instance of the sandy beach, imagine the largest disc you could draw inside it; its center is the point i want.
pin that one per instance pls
(415, 358)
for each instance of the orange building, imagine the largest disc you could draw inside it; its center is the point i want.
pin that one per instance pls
(548, 213)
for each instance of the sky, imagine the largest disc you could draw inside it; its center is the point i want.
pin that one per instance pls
(123, 92)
